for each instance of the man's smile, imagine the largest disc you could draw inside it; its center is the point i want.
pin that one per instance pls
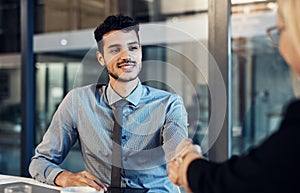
(126, 64)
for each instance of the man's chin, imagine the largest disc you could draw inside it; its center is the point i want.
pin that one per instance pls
(123, 79)
(120, 79)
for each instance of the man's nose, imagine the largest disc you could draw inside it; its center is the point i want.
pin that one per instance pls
(125, 54)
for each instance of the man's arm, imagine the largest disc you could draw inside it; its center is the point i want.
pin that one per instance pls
(175, 128)
(56, 143)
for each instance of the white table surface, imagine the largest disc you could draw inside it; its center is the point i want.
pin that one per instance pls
(5, 179)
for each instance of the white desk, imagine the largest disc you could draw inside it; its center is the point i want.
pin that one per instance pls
(6, 179)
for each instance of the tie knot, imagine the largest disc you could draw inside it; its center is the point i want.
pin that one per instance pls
(121, 103)
(118, 110)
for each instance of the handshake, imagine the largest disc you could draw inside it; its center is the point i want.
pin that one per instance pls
(185, 153)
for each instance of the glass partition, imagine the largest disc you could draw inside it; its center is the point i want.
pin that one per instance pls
(261, 83)
(10, 87)
(10, 113)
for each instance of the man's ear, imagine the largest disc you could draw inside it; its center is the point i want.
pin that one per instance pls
(100, 58)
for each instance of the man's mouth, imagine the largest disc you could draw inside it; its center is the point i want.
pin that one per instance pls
(126, 65)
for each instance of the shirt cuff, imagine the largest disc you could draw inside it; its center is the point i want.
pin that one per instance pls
(53, 174)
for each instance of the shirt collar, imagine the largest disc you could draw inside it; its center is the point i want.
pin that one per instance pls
(133, 98)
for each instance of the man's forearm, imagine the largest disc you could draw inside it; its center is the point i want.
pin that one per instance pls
(43, 170)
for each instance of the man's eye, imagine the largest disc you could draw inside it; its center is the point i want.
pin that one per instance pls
(115, 50)
(133, 48)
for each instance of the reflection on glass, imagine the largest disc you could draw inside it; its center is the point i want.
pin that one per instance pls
(10, 114)
(259, 82)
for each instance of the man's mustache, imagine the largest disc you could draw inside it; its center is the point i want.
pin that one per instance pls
(124, 61)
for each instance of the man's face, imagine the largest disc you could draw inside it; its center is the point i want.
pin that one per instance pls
(122, 55)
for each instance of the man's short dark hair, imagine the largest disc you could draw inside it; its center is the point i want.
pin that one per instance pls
(115, 22)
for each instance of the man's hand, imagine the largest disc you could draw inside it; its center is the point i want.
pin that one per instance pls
(185, 153)
(83, 178)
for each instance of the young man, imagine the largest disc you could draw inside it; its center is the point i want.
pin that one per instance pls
(153, 122)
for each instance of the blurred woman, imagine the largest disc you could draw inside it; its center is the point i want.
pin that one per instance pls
(274, 166)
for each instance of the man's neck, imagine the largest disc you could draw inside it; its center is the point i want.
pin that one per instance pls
(124, 89)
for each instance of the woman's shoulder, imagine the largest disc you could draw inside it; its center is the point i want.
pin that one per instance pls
(293, 108)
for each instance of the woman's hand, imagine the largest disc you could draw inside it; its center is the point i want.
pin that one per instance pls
(83, 178)
(185, 153)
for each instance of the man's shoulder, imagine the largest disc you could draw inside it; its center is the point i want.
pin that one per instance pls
(157, 86)
(158, 92)
(87, 89)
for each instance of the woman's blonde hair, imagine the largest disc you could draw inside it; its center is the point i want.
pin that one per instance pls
(289, 10)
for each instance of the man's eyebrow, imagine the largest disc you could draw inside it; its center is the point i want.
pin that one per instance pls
(113, 45)
(117, 45)
(135, 42)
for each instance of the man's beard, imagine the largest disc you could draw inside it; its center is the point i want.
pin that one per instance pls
(117, 78)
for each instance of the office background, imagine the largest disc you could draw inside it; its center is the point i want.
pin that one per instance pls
(177, 54)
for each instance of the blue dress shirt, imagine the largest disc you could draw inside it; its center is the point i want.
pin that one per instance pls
(154, 123)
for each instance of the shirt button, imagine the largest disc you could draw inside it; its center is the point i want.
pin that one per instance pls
(124, 137)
